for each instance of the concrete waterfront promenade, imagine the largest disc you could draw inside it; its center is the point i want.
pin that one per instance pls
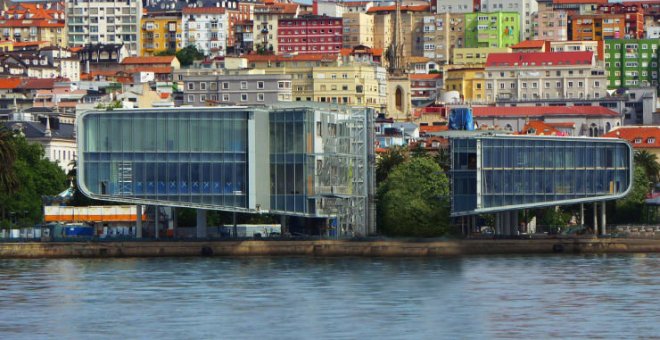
(382, 248)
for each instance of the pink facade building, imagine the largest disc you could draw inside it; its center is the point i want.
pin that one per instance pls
(310, 34)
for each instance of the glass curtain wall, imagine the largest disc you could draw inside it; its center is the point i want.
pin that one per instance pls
(522, 171)
(291, 159)
(464, 174)
(172, 156)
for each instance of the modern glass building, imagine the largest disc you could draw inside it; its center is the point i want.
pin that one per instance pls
(493, 173)
(294, 160)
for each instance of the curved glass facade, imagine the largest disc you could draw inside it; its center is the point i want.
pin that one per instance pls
(170, 156)
(496, 173)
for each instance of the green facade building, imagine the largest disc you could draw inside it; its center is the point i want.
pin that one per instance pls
(632, 62)
(492, 29)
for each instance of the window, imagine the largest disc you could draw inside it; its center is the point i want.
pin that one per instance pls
(225, 97)
(558, 84)
(260, 97)
(202, 86)
(202, 98)
(191, 98)
(214, 86)
(547, 85)
(244, 86)
(651, 140)
(244, 97)
(191, 86)
(638, 140)
(260, 84)
(225, 85)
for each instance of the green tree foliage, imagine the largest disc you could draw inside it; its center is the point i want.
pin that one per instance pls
(189, 54)
(8, 181)
(164, 53)
(36, 177)
(649, 163)
(629, 209)
(388, 160)
(414, 200)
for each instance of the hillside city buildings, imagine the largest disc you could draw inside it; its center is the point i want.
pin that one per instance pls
(578, 68)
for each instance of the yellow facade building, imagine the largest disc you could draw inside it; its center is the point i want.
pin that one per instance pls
(325, 79)
(160, 32)
(467, 56)
(469, 82)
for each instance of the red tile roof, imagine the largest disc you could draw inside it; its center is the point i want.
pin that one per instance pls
(203, 10)
(404, 8)
(534, 59)
(40, 84)
(299, 57)
(29, 43)
(276, 8)
(577, 2)
(541, 111)
(9, 83)
(355, 3)
(643, 134)
(529, 44)
(148, 60)
(31, 23)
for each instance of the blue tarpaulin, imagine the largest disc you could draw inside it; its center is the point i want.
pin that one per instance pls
(461, 119)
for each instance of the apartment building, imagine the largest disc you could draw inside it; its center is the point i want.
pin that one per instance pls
(492, 29)
(524, 8)
(34, 22)
(633, 15)
(597, 27)
(310, 34)
(441, 33)
(239, 89)
(468, 81)
(107, 22)
(456, 6)
(358, 29)
(632, 63)
(266, 23)
(550, 23)
(546, 75)
(161, 31)
(578, 46)
(206, 28)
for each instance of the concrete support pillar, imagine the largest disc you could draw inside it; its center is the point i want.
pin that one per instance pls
(473, 224)
(603, 219)
(201, 223)
(514, 222)
(595, 218)
(138, 222)
(156, 221)
(582, 214)
(498, 231)
(174, 221)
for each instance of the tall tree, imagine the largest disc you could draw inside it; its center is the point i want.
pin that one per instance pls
(649, 163)
(8, 182)
(388, 161)
(414, 200)
(37, 177)
(189, 54)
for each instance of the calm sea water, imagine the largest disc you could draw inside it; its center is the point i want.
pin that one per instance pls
(332, 298)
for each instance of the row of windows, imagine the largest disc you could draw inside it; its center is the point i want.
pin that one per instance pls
(534, 85)
(213, 86)
(289, 40)
(296, 32)
(225, 97)
(311, 48)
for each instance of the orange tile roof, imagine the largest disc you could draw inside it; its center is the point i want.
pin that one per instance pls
(9, 83)
(355, 3)
(30, 23)
(148, 60)
(643, 134)
(203, 10)
(529, 44)
(418, 59)
(539, 128)
(404, 8)
(29, 43)
(433, 128)
(346, 52)
(416, 76)
(276, 8)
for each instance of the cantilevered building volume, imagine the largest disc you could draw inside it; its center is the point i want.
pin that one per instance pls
(311, 161)
(505, 173)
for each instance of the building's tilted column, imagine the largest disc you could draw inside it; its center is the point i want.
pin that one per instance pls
(595, 218)
(138, 222)
(603, 219)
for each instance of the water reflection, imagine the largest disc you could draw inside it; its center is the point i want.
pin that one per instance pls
(468, 297)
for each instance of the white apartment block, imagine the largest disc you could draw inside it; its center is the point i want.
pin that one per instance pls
(455, 6)
(526, 8)
(206, 28)
(543, 75)
(104, 22)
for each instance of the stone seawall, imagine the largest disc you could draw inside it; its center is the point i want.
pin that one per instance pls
(323, 248)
